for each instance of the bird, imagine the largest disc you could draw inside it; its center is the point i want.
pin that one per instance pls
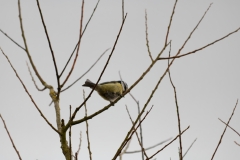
(109, 91)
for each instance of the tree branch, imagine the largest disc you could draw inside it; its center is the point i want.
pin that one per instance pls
(170, 22)
(220, 140)
(25, 88)
(86, 71)
(147, 41)
(189, 148)
(78, 40)
(230, 127)
(15, 148)
(77, 109)
(27, 51)
(34, 82)
(50, 47)
(137, 151)
(139, 140)
(87, 130)
(12, 40)
(168, 143)
(177, 108)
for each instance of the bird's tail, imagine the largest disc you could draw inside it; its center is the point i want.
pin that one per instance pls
(88, 83)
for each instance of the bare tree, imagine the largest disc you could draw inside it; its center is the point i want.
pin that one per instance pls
(63, 126)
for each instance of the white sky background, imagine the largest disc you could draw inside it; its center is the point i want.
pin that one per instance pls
(207, 82)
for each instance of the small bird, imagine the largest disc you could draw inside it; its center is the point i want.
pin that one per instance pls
(109, 91)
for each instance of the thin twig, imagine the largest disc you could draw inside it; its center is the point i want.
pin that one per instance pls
(108, 106)
(201, 48)
(15, 148)
(27, 51)
(237, 143)
(79, 43)
(140, 127)
(229, 127)
(86, 71)
(170, 22)
(168, 143)
(130, 133)
(34, 82)
(25, 88)
(12, 40)
(70, 133)
(148, 148)
(79, 146)
(189, 148)
(189, 36)
(147, 41)
(220, 140)
(177, 108)
(87, 129)
(123, 10)
(125, 149)
(139, 140)
(78, 40)
(126, 92)
(83, 73)
(150, 97)
(50, 47)
(77, 109)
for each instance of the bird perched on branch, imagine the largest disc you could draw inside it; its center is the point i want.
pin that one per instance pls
(109, 91)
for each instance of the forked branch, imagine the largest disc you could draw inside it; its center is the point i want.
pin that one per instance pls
(25, 88)
(50, 46)
(79, 39)
(27, 51)
(220, 140)
(77, 109)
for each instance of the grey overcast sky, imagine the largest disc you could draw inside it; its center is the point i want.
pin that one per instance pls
(207, 82)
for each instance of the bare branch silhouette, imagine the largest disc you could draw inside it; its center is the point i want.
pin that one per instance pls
(79, 146)
(34, 82)
(148, 148)
(237, 143)
(139, 140)
(25, 88)
(83, 73)
(87, 129)
(27, 51)
(170, 22)
(209, 44)
(189, 148)
(15, 148)
(220, 140)
(12, 40)
(168, 143)
(77, 109)
(177, 108)
(123, 10)
(147, 41)
(189, 36)
(79, 43)
(129, 135)
(125, 149)
(50, 47)
(150, 97)
(86, 71)
(78, 40)
(140, 127)
(230, 127)
(70, 132)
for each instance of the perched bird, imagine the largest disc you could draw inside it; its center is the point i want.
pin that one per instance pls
(109, 91)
